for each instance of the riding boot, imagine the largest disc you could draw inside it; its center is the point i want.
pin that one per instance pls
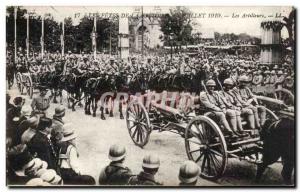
(121, 115)
(106, 111)
(102, 114)
(111, 114)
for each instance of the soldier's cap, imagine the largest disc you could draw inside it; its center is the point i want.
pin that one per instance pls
(189, 172)
(116, 152)
(151, 162)
(228, 82)
(44, 123)
(211, 83)
(50, 176)
(68, 133)
(267, 72)
(273, 72)
(60, 111)
(280, 73)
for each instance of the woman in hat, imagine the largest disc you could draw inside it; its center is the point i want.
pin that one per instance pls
(68, 160)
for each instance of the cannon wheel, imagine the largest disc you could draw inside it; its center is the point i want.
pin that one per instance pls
(138, 123)
(29, 86)
(285, 95)
(205, 144)
(270, 115)
(19, 82)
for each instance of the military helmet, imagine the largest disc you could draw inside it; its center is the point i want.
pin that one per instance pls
(273, 72)
(243, 78)
(151, 162)
(60, 111)
(188, 172)
(116, 152)
(228, 81)
(280, 73)
(210, 83)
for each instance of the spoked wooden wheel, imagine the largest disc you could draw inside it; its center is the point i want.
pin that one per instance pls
(29, 86)
(19, 82)
(270, 116)
(205, 144)
(138, 123)
(285, 95)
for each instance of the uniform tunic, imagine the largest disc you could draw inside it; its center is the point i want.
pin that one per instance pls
(40, 104)
(115, 174)
(143, 179)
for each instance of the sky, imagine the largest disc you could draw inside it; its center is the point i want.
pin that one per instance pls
(204, 23)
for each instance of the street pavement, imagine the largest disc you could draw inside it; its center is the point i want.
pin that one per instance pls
(95, 136)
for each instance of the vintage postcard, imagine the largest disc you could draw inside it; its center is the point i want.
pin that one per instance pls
(159, 96)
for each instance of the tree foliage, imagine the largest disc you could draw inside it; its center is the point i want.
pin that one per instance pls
(177, 25)
(77, 38)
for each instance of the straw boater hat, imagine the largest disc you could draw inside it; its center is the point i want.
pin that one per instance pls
(51, 177)
(30, 168)
(25, 111)
(37, 182)
(68, 133)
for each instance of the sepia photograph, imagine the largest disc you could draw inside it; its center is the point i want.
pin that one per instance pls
(150, 96)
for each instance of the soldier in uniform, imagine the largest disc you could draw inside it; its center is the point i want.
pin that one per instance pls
(41, 103)
(289, 83)
(272, 81)
(115, 173)
(188, 173)
(147, 176)
(246, 98)
(212, 102)
(279, 80)
(257, 81)
(231, 101)
(266, 83)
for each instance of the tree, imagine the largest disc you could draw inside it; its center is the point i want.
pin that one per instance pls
(178, 24)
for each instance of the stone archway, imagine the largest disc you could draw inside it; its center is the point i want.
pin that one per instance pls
(139, 29)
